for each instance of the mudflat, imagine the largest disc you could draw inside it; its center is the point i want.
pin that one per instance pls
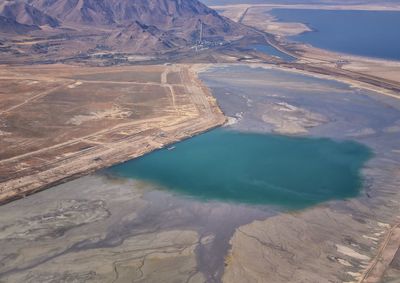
(102, 228)
(353, 240)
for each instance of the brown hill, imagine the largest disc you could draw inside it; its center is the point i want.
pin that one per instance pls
(137, 37)
(181, 16)
(131, 26)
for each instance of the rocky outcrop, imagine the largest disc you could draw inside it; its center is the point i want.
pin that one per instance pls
(20, 13)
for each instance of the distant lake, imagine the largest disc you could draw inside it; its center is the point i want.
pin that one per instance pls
(232, 166)
(319, 2)
(364, 33)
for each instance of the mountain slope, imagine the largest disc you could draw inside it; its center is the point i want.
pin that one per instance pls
(137, 37)
(129, 26)
(26, 14)
(11, 26)
(179, 15)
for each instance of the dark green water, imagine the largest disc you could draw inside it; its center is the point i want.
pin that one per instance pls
(254, 168)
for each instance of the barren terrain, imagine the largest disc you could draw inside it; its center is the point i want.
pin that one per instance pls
(62, 121)
(59, 122)
(354, 240)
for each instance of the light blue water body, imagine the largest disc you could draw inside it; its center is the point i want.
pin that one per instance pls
(232, 166)
(363, 33)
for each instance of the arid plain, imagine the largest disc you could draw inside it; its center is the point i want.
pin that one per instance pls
(62, 121)
(65, 121)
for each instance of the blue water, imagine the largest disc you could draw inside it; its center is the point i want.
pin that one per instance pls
(231, 166)
(318, 2)
(270, 50)
(364, 33)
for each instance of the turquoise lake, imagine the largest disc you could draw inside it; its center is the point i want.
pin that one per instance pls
(231, 166)
(364, 33)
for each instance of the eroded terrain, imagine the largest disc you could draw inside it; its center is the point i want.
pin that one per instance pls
(59, 122)
(340, 241)
(101, 229)
(104, 229)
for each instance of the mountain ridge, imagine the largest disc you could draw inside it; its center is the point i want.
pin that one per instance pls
(138, 26)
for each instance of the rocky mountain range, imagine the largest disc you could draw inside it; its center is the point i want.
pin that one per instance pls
(137, 26)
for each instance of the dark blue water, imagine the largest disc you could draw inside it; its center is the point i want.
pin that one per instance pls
(318, 2)
(290, 172)
(270, 50)
(364, 33)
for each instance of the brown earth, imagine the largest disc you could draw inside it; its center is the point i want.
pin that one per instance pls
(60, 122)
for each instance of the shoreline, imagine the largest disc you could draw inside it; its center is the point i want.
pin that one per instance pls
(344, 236)
(252, 232)
(350, 235)
(20, 187)
(348, 76)
(380, 73)
(348, 81)
(354, 7)
(161, 135)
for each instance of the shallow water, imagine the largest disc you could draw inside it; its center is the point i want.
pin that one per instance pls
(89, 228)
(232, 166)
(364, 33)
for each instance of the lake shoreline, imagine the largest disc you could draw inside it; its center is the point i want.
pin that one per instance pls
(341, 236)
(209, 116)
(233, 163)
(212, 241)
